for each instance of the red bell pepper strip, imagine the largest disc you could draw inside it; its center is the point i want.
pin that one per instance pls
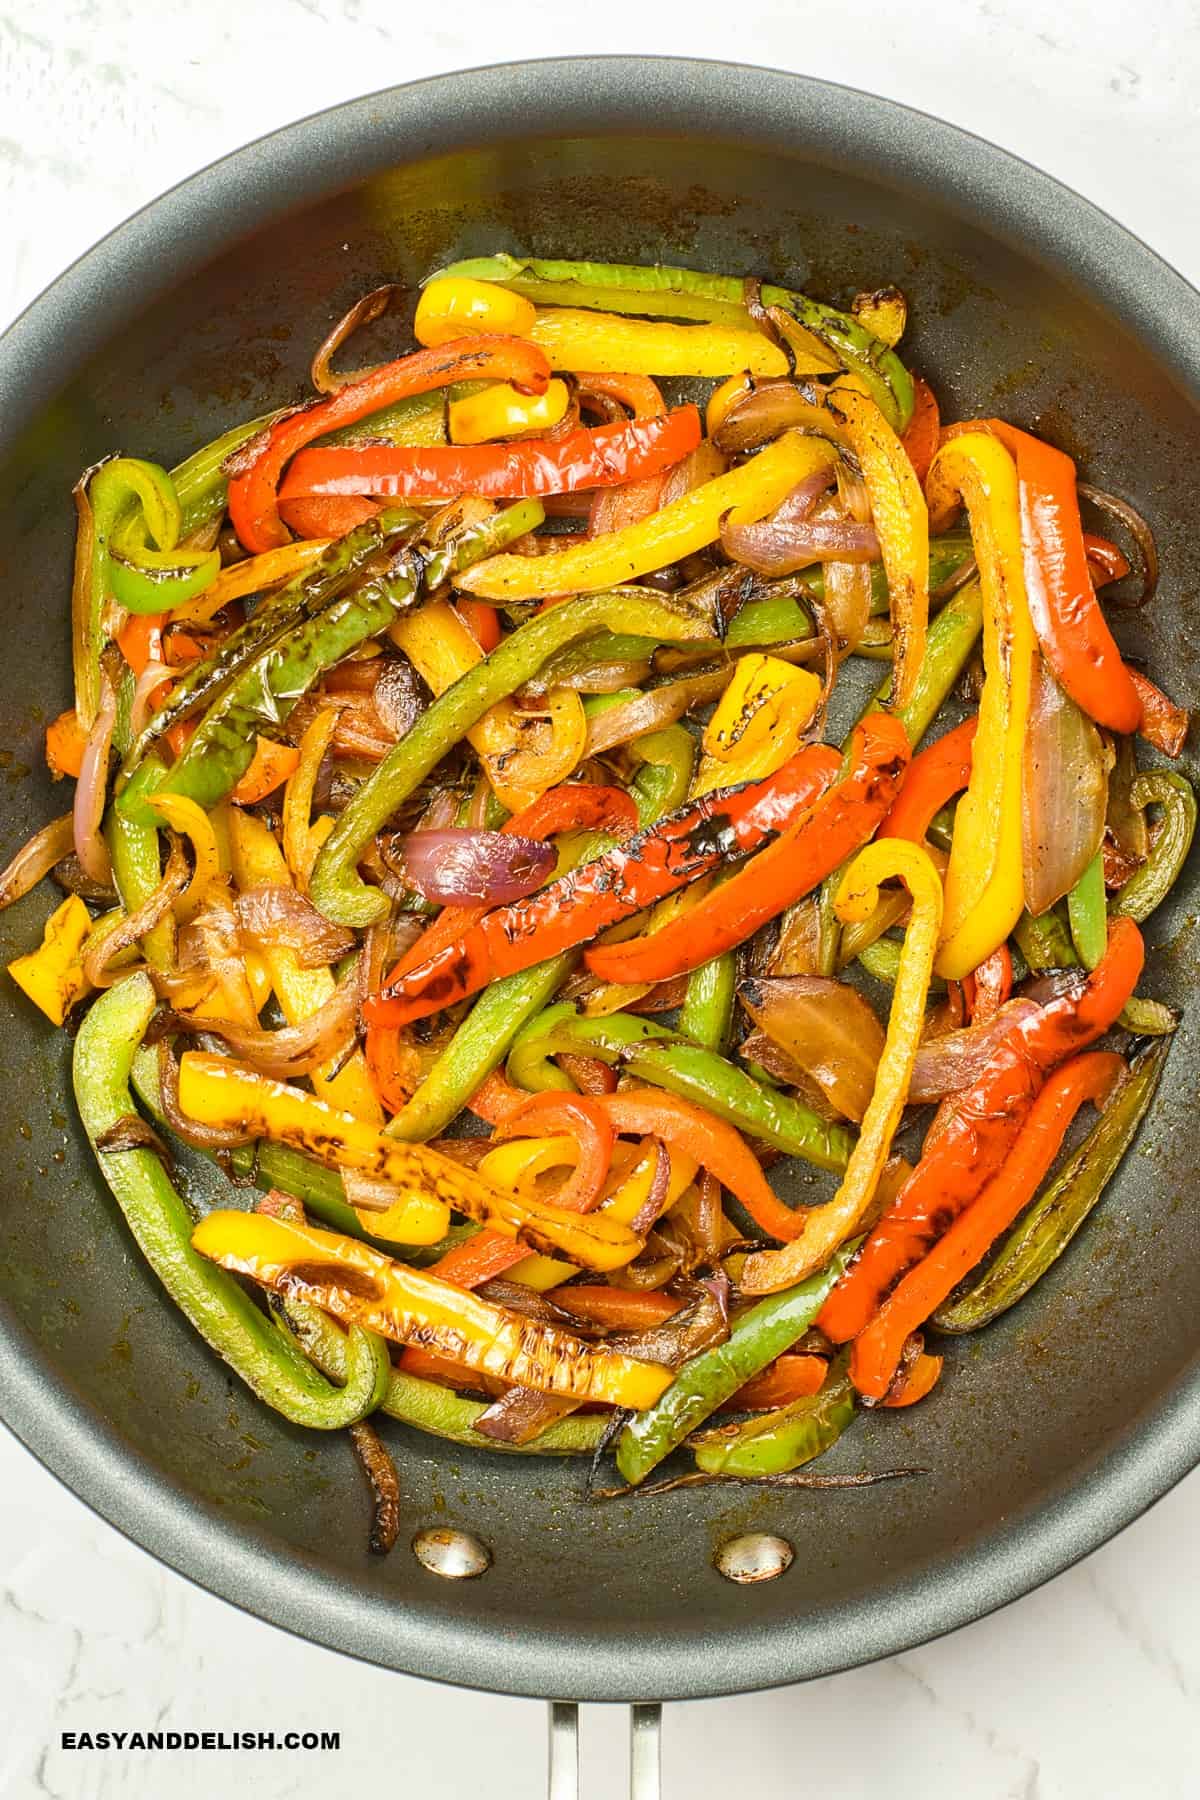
(1164, 724)
(618, 1309)
(976, 1136)
(639, 393)
(716, 1146)
(326, 516)
(572, 806)
(552, 1114)
(478, 1259)
(481, 620)
(835, 824)
(986, 990)
(427, 1366)
(1105, 558)
(695, 840)
(590, 1075)
(1070, 626)
(922, 1379)
(590, 457)
(877, 1350)
(254, 485)
(140, 639)
(921, 437)
(496, 1098)
(934, 776)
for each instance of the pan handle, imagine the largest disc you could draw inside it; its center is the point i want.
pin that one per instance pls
(645, 1752)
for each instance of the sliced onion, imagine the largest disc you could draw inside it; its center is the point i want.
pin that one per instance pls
(399, 696)
(457, 867)
(766, 412)
(148, 682)
(372, 306)
(760, 1049)
(1065, 793)
(204, 1137)
(848, 581)
(294, 1049)
(280, 915)
(366, 1194)
(35, 859)
(521, 1415)
(828, 1030)
(92, 789)
(685, 1334)
(69, 876)
(955, 1060)
(1138, 530)
(795, 535)
(652, 711)
(97, 956)
(702, 464)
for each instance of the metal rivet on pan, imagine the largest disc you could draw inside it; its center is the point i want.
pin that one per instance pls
(455, 1555)
(755, 1557)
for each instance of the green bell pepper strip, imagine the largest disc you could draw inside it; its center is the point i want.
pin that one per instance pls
(221, 1311)
(262, 694)
(336, 888)
(441, 1412)
(1148, 1018)
(137, 871)
(706, 1381)
(201, 484)
(1087, 912)
(783, 618)
(720, 1087)
(628, 287)
(562, 1029)
(482, 1040)
(1045, 943)
(1149, 886)
(706, 1015)
(785, 1439)
(1045, 1229)
(303, 597)
(881, 959)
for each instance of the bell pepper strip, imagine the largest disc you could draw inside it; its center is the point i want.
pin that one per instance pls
(201, 479)
(1105, 561)
(792, 1376)
(1071, 629)
(267, 1360)
(253, 491)
(641, 396)
(1163, 724)
(934, 776)
(785, 1439)
(589, 457)
(706, 1016)
(877, 1349)
(823, 1228)
(306, 595)
(714, 1144)
(674, 531)
(726, 1092)
(576, 339)
(298, 834)
(1087, 913)
(52, 975)
(831, 828)
(498, 411)
(587, 1122)
(1038, 1239)
(950, 644)
(253, 575)
(336, 888)
(269, 768)
(984, 887)
(135, 507)
(901, 520)
(918, 1383)
(1149, 886)
(981, 1129)
(563, 1029)
(449, 309)
(65, 745)
(360, 1286)
(923, 432)
(219, 1091)
(756, 1338)
(989, 987)
(481, 620)
(692, 842)
(478, 1259)
(758, 722)
(618, 1309)
(834, 338)
(134, 850)
(186, 817)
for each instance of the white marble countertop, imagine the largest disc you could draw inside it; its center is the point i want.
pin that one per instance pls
(1086, 1690)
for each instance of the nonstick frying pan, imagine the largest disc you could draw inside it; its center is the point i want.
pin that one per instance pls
(1068, 1417)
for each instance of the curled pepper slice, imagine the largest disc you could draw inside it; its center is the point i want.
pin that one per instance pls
(877, 1350)
(984, 882)
(360, 1286)
(823, 1228)
(254, 488)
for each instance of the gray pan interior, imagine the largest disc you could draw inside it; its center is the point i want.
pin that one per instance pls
(1048, 1433)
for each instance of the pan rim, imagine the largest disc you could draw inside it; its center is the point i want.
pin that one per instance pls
(83, 307)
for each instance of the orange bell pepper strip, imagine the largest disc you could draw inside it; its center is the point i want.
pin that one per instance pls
(988, 988)
(478, 1259)
(694, 841)
(254, 487)
(836, 823)
(1163, 724)
(327, 516)
(922, 1379)
(481, 620)
(1105, 558)
(140, 639)
(716, 1146)
(639, 393)
(877, 1349)
(980, 1130)
(550, 1114)
(792, 1376)
(270, 767)
(920, 439)
(618, 1309)
(66, 742)
(934, 776)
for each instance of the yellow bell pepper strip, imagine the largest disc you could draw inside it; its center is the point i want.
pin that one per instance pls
(827, 1227)
(677, 530)
(578, 340)
(450, 309)
(336, 888)
(820, 337)
(301, 839)
(758, 723)
(52, 976)
(984, 883)
(499, 411)
(185, 816)
(901, 520)
(268, 1360)
(216, 1090)
(253, 575)
(359, 1286)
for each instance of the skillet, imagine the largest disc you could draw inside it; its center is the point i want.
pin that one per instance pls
(1078, 1409)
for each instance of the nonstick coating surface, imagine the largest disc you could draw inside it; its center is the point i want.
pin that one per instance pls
(1050, 1431)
